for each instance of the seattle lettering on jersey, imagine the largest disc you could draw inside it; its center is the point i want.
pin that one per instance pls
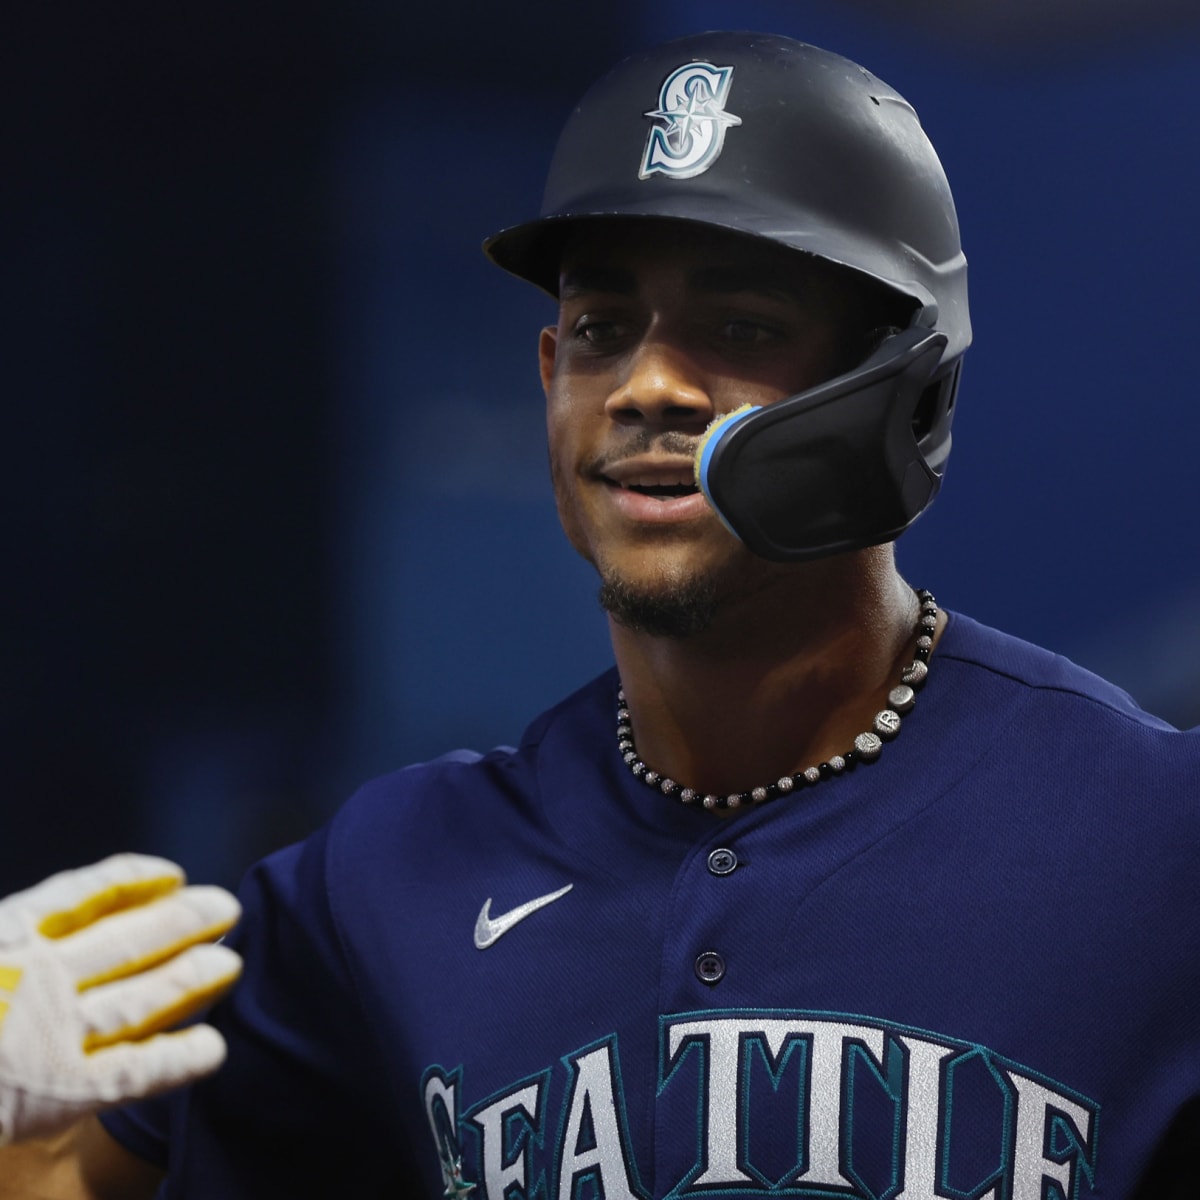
(792, 1104)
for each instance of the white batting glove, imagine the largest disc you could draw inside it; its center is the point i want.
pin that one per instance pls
(94, 965)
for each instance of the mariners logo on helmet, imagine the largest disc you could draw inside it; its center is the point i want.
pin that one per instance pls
(691, 106)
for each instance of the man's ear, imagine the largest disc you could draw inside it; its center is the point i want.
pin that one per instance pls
(547, 352)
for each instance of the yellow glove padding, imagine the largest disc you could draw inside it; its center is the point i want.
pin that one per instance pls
(94, 965)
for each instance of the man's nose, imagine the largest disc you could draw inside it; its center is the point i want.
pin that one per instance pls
(663, 386)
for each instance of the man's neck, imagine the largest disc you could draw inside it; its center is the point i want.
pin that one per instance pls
(782, 680)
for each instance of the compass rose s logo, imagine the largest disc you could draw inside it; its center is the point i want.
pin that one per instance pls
(691, 107)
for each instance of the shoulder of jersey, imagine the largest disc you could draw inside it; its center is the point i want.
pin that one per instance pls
(971, 642)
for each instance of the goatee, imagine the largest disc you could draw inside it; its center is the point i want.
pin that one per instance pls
(673, 610)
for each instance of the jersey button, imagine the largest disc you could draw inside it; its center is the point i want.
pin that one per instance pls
(722, 861)
(710, 967)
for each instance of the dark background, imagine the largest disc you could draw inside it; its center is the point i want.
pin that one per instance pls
(275, 507)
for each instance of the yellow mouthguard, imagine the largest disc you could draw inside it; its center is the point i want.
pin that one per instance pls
(715, 426)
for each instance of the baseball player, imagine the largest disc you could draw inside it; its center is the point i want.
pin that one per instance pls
(822, 891)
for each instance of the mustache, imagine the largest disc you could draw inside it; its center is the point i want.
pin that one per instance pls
(645, 441)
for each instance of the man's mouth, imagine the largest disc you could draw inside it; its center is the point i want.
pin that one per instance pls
(660, 483)
(661, 491)
(652, 490)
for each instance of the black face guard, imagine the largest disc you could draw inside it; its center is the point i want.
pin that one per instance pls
(838, 467)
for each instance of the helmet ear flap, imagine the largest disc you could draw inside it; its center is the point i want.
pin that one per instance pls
(933, 415)
(926, 411)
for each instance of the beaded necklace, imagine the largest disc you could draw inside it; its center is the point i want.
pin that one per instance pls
(867, 746)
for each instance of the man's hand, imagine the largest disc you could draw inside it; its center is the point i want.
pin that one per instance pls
(95, 965)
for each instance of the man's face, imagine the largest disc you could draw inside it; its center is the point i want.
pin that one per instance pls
(662, 328)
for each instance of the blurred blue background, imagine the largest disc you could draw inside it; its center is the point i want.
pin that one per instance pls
(276, 513)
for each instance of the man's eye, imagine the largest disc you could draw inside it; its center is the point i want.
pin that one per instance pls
(598, 333)
(749, 333)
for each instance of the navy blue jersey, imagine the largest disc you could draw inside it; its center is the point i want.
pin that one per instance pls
(968, 970)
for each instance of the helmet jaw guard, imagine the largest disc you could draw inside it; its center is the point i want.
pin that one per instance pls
(767, 137)
(835, 468)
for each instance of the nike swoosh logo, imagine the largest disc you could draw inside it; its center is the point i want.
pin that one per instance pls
(489, 928)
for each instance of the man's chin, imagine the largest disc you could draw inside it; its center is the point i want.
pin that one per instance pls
(672, 609)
